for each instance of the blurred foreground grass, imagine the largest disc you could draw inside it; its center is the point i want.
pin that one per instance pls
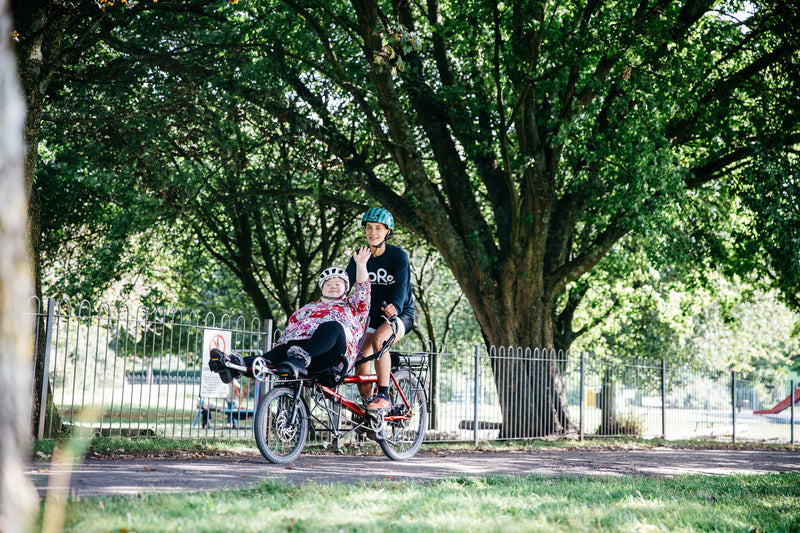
(752, 503)
(500, 503)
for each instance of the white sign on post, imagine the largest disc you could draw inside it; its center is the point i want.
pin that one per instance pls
(211, 386)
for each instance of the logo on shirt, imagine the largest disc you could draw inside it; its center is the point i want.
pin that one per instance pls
(381, 277)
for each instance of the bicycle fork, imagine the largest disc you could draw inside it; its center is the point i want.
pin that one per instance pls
(295, 399)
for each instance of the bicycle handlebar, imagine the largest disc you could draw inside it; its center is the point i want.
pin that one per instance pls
(391, 320)
(393, 324)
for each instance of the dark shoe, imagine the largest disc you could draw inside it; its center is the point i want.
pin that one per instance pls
(291, 368)
(216, 363)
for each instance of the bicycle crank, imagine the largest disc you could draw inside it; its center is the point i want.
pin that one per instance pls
(260, 370)
(376, 424)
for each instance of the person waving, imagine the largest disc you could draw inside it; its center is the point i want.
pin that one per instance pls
(390, 280)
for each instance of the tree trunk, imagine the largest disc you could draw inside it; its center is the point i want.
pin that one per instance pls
(528, 372)
(38, 51)
(501, 270)
(608, 405)
(531, 392)
(17, 495)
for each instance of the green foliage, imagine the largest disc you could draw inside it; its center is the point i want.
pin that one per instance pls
(770, 192)
(443, 316)
(228, 144)
(180, 161)
(718, 324)
(540, 130)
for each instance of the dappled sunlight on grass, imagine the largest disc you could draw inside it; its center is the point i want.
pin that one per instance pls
(498, 503)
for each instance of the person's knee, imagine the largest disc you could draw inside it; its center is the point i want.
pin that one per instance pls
(330, 327)
(381, 338)
(381, 334)
(371, 343)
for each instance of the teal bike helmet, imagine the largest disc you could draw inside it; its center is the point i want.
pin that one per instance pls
(379, 215)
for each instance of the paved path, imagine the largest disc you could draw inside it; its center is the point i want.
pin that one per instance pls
(101, 477)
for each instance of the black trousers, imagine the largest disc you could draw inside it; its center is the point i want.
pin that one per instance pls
(326, 347)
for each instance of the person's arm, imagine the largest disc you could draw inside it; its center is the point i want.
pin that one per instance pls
(360, 299)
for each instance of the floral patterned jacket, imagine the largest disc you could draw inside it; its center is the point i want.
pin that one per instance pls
(351, 312)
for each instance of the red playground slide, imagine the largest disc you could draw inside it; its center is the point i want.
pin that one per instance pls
(780, 406)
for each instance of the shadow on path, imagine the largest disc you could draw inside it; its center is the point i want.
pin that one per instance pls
(103, 477)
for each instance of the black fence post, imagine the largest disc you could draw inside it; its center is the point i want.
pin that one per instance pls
(583, 396)
(663, 399)
(475, 397)
(51, 306)
(791, 422)
(733, 405)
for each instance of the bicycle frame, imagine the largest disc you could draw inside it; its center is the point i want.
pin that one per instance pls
(284, 415)
(353, 407)
(333, 395)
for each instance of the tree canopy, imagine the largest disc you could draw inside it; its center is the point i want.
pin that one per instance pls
(523, 140)
(770, 244)
(159, 139)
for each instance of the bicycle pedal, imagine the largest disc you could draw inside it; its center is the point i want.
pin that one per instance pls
(376, 423)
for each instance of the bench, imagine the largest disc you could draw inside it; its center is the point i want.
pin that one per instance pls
(232, 414)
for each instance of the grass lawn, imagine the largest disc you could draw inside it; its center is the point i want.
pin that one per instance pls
(751, 503)
(528, 503)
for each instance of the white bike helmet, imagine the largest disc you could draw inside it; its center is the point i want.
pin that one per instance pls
(334, 272)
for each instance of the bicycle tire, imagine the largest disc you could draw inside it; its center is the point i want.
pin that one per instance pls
(401, 439)
(278, 440)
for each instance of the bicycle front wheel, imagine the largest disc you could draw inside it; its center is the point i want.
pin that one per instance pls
(402, 438)
(281, 426)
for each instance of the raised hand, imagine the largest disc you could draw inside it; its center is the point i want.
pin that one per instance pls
(360, 258)
(361, 255)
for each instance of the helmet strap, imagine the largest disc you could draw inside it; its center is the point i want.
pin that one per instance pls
(381, 244)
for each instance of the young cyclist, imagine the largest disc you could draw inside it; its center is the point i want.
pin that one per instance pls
(389, 276)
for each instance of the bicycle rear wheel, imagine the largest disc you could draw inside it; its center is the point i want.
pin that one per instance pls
(402, 438)
(280, 439)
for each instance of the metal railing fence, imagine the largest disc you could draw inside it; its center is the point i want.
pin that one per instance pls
(139, 373)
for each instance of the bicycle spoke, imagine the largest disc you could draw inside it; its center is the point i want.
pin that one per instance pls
(402, 437)
(281, 426)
